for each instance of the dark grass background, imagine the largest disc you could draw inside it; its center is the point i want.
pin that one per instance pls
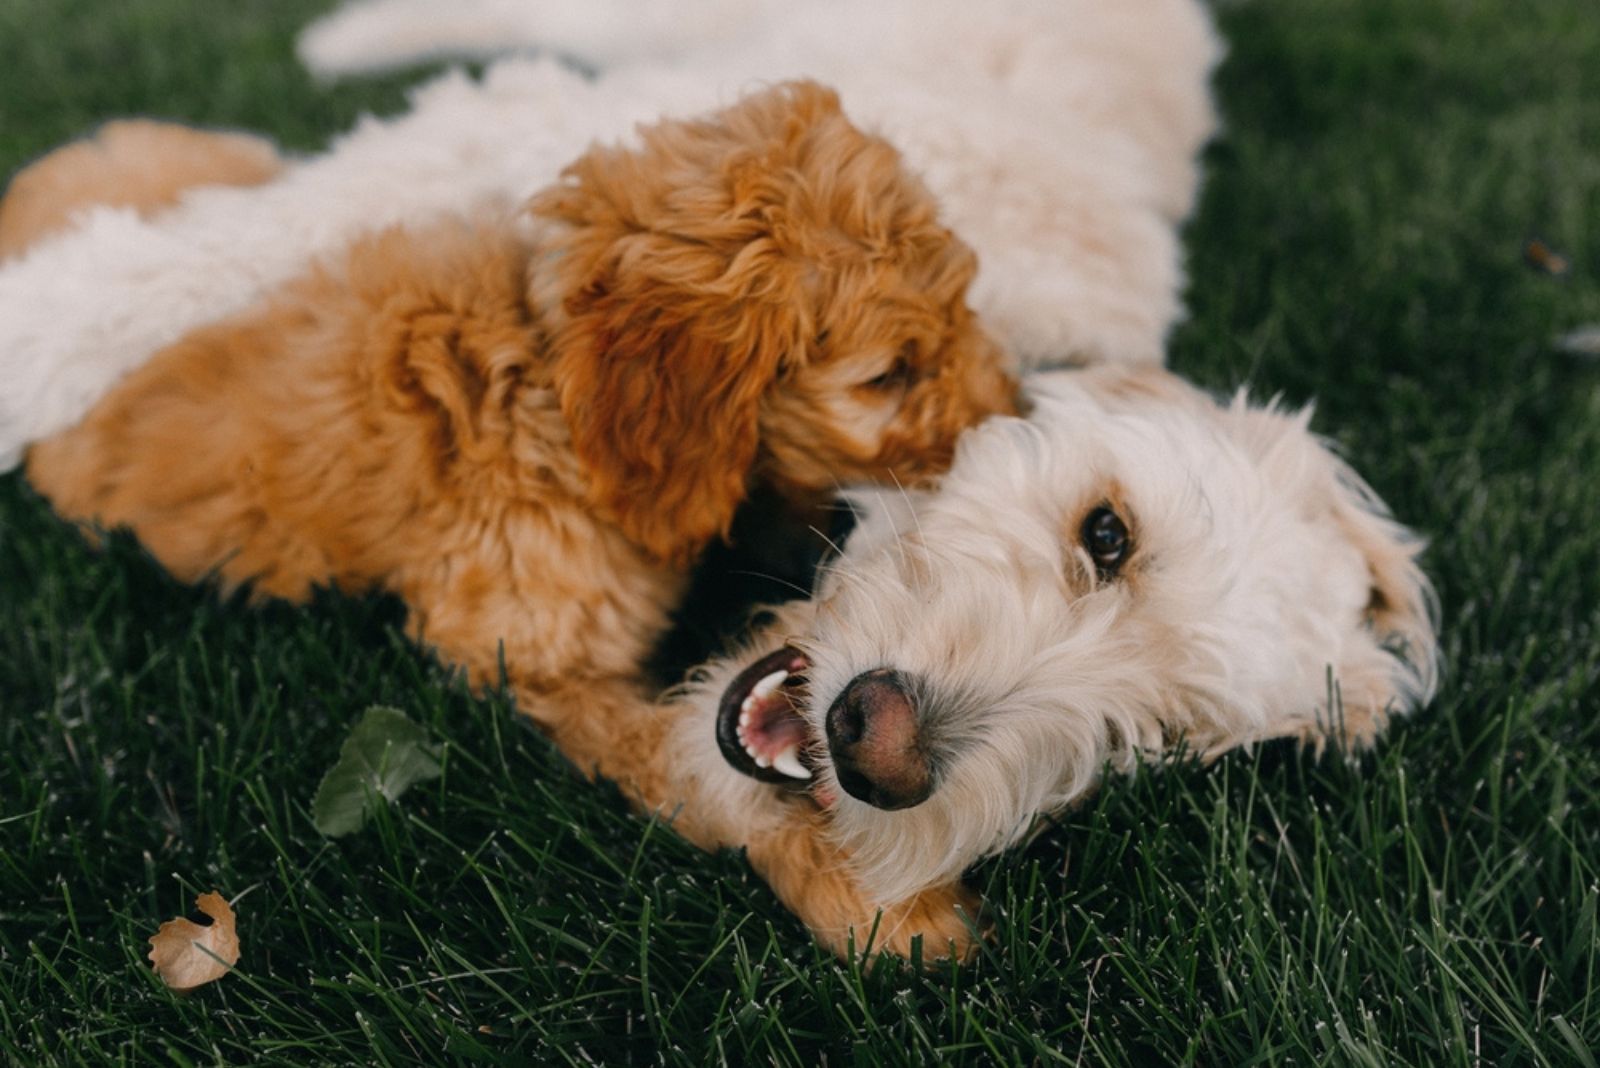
(1359, 242)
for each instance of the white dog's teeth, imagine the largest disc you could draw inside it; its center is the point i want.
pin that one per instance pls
(746, 707)
(788, 762)
(763, 762)
(768, 684)
(744, 717)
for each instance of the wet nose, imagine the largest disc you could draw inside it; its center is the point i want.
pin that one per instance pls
(875, 743)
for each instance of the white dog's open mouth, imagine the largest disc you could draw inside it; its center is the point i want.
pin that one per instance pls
(759, 726)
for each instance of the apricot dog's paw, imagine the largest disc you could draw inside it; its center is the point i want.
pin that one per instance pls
(939, 924)
(948, 920)
(814, 879)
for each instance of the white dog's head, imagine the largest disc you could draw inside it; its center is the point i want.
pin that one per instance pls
(1132, 565)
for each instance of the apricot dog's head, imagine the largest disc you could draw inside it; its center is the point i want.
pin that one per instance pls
(762, 293)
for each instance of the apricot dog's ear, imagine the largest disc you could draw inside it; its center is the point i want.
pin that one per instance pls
(664, 408)
(680, 302)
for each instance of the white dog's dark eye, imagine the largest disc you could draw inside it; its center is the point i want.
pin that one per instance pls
(1106, 538)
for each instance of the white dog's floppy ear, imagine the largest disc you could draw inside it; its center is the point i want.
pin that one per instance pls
(1402, 610)
(1390, 666)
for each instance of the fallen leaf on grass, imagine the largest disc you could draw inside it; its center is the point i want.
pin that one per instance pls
(187, 955)
(385, 755)
(1541, 257)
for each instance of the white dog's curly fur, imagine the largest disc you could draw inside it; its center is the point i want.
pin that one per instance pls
(1060, 137)
(1263, 593)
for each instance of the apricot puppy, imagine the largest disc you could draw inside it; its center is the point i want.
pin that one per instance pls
(527, 424)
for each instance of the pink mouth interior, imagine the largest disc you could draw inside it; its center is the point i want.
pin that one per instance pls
(760, 727)
(769, 726)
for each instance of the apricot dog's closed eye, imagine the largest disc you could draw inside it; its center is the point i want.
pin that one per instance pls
(902, 372)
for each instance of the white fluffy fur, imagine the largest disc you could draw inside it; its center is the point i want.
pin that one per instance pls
(1060, 136)
(1257, 556)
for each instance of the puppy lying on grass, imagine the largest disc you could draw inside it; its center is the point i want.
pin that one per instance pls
(1132, 568)
(528, 424)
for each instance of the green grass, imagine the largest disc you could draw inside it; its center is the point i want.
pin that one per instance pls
(1359, 242)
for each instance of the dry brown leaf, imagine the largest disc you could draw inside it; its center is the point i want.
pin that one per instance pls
(187, 955)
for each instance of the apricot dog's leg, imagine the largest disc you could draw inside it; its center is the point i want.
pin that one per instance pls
(133, 163)
(613, 731)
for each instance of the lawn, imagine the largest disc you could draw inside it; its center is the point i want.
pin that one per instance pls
(1360, 242)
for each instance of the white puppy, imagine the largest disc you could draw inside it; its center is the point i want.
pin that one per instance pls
(1060, 137)
(1133, 566)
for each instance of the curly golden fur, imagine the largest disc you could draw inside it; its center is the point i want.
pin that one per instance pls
(526, 424)
(778, 232)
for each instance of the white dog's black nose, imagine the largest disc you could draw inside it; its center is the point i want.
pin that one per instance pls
(876, 744)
